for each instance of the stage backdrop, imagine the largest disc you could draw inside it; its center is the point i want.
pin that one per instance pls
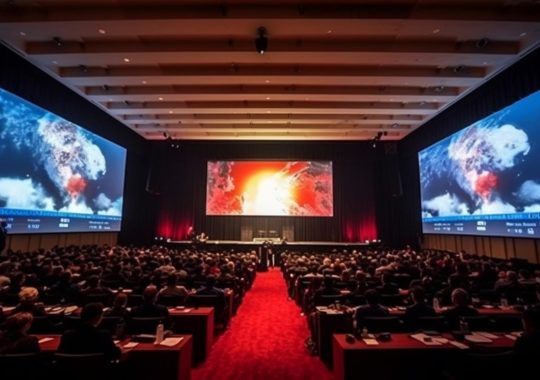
(179, 177)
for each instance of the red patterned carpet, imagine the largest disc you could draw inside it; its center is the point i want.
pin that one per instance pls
(265, 340)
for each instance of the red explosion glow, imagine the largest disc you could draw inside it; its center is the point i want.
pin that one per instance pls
(485, 183)
(75, 185)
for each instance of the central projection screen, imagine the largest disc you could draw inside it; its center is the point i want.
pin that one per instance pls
(271, 188)
(485, 179)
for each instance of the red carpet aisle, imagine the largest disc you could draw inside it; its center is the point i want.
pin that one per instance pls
(265, 340)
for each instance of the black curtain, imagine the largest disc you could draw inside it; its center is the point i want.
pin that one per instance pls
(179, 176)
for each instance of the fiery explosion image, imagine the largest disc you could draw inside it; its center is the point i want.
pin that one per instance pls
(299, 188)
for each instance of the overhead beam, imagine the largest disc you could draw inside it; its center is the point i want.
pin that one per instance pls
(231, 46)
(270, 127)
(522, 12)
(166, 105)
(248, 117)
(269, 70)
(106, 91)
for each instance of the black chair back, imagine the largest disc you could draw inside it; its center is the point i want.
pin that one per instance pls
(383, 324)
(477, 323)
(110, 324)
(357, 300)
(42, 325)
(80, 366)
(507, 323)
(437, 323)
(171, 300)
(134, 300)
(71, 322)
(328, 300)
(21, 366)
(391, 300)
(104, 298)
(144, 325)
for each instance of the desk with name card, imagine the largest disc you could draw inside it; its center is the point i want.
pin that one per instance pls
(370, 358)
(330, 322)
(197, 322)
(170, 360)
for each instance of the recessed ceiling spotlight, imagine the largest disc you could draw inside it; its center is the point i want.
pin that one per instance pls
(160, 98)
(267, 98)
(267, 81)
(102, 31)
(22, 34)
(523, 34)
(329, 31)
(435, 31)
(143, 82)
(55, 62)
(127, 60)
(170, 111)
(484, 63)
(261, 41)
(268, 111)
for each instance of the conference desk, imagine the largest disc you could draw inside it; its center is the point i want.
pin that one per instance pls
(147, 360)
(391, 360)
(197, 322)
(330, 322)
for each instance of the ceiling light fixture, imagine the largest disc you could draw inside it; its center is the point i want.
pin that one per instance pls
(127, 60)
(102, 31)
(58, 41)
(261, 41)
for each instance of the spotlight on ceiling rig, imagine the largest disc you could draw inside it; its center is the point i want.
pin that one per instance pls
(261, 41)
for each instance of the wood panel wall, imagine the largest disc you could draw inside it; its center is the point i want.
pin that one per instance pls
(498, 247)
(31, 242)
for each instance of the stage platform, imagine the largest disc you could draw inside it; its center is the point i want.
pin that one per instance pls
(291, 245)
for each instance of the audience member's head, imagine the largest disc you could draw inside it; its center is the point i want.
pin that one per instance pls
(28, 295)
(210, 281)
(92, 314)
(460, 297)
(120, 300)
(150, 294)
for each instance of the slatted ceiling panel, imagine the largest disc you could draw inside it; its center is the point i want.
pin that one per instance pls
(342, 69)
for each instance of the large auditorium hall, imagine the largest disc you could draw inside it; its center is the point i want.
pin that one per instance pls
(269, 189)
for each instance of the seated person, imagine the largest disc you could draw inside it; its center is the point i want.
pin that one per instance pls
(461, 307)
(94, 287)
(372, 309)
(119, 308)
(149, 308)
(172, 289)
(527, 346)
(387, 287)
(418, 309)
(209, 289)
(87, 339)
(445, 295)
(28, 298)
(15, 339)
(328, 289)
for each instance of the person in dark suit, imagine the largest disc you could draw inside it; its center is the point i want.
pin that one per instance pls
(87, 339)
(418, 309)
(388, 287)
(119, 308)
(149, 308)
(328, 289)
(461, 307)
(527, 346)
(372, 309)
(15, 339)
(210, 289)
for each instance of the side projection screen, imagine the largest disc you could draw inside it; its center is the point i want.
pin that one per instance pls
(54, 175)
(284, 188)
(485, 179)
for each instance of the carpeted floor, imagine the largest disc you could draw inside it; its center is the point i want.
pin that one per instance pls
(265, 340)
